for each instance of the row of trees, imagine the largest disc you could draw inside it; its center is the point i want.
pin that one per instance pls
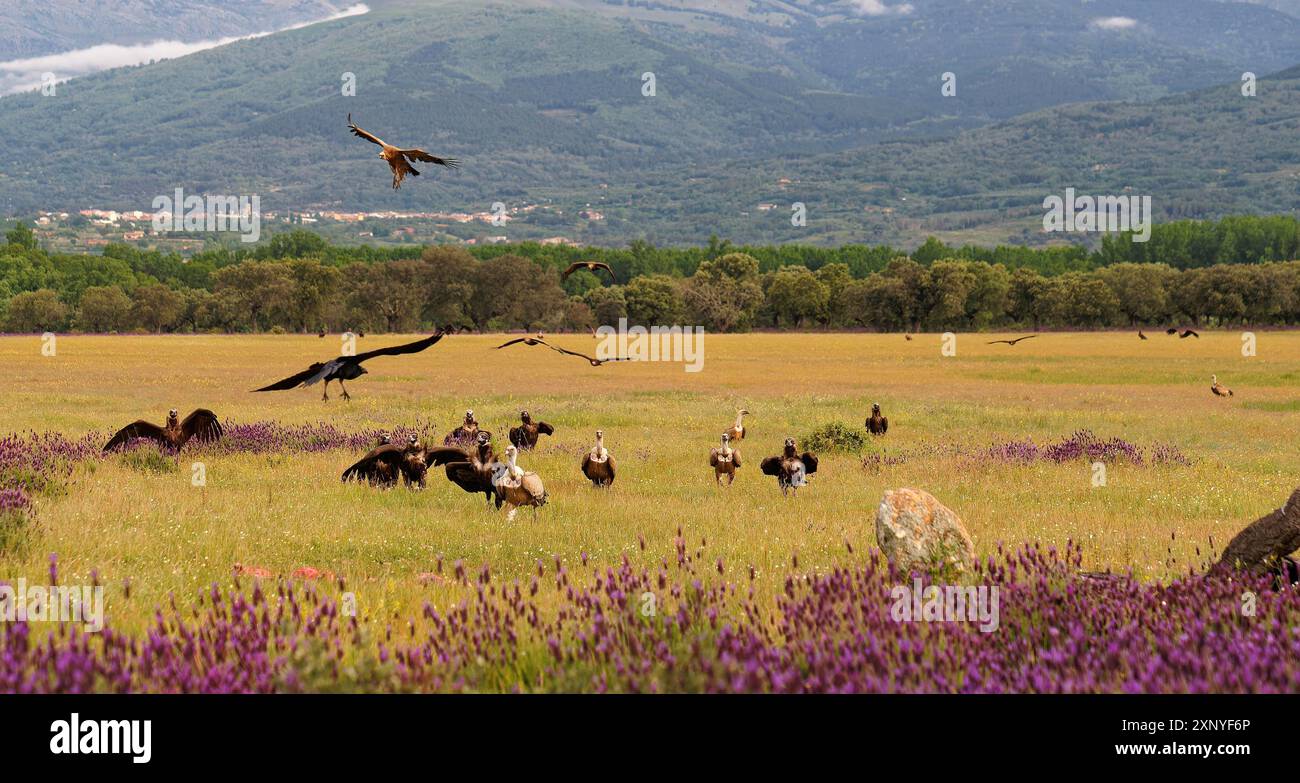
(447, 286)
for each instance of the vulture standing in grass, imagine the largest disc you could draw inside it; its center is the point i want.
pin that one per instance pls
(791, 468)
(464, 435)
(201, 425)
(877, 424)
(1141, 336)
(1219, 389)
(724, 460)
(598, 464)
(525, 435)
(399, 160)
(473, 471)
(346, 368)
(382, 466)
(518, 487)
(737, 430)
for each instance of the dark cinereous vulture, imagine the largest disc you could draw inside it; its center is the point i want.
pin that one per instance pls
(791, 468)
(590, 266)
(525, 435)
(383, 465)
(472, 469)
(877, 424)
(1013, 342)
(539, 341)
(598, 464)
(345, 368)
(201, 425)
(464, 435)
(398, 159)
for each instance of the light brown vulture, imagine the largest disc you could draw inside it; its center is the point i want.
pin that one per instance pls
(201, 425)
(737, 430)
(590, 266)
(598, 464)
(724, 460)
(791, 468)
(398, 159)
(1219, 389)
(345, 368)
(525, 435)
(518, 487)
(877, 424)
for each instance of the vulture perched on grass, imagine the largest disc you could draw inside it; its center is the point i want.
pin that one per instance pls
(345, 368)
(201, 425)
(471, 469)
(525, 435)
(598, 464)
(724, 460)
(518, 487)
(1219, 389)
(464, 435)
(737, 430)
(383, 465)
(877, 424)
(791, 468)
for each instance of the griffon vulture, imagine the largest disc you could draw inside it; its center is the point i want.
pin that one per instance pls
(598, 464)
(1219, 389)
(399, 160)
(737, 431)
(202, 425)
(345, 368)
(518, 487)
(791, 468)
(724, 460)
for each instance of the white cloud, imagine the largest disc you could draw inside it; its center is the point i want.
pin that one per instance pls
(1113, 23)
(878, 8)
(23, 75)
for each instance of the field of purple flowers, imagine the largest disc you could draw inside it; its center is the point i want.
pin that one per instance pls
(1060, 631)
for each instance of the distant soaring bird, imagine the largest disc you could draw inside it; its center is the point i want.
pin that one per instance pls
(345, 368)
(539, 341)
(1013, 342)
(399, 159)
(202, 424)
(590, 266)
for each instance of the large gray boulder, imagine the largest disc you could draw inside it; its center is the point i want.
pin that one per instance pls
(918, 533)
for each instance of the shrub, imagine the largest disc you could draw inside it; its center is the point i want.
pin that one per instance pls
(837, 437)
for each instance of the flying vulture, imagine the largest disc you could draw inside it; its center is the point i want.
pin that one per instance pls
(598, 464)
(1219, 389)
(724, 460)
(539, 341)
(877, 424)
(202, 425)
(399, 160)
(1013, 342)
(737, 430)
(518, 487)
(590, 266)
(791, 468)
(383, 465)
(345, 368)
(464, 435)
(1188, 333)
(525, 435)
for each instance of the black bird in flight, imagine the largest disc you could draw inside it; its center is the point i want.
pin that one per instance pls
(539, 341)
(346, 368)
(1188, 333)
(590, 266)
(1013, 342)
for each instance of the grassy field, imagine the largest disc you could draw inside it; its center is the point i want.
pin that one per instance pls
(288, 510)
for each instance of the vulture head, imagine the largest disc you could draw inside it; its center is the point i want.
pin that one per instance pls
(523, 415)
(469, 417)
(413, 442)
(173, 418)
(726, 439)
(483, 437)
(875, 408)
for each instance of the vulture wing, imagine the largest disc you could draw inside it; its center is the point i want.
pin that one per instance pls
(368, 466)
(395, 350)
(139, 429)
(444, 455)
(370, 137)
(609, 460)
(884, 425)
(201, 424)
(296, 380)
(809, 462)
(735, 458)
(771, 466)
(419, 154)
(713, 458)
(545, 429)
(509, 343)
(517, 436)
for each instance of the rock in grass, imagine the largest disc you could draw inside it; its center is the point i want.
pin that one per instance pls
(1264, 544)
(918, 533)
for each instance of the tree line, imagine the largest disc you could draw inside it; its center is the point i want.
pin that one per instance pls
(296, 282)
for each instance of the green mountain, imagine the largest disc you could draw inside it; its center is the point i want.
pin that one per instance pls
(543, 102)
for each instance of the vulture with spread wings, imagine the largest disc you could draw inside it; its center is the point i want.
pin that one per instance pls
(398, 159)
(345, 368)
(590, 266)
(202, 425)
